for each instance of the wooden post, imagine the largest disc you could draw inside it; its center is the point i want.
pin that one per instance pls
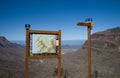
(89, 24)
(27, 26)
(59, 55)
(89, 52)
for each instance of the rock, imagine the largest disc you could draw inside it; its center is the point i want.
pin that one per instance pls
(12, 59)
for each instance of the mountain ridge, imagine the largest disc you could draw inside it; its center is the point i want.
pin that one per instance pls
(105, 52)
(11, 59)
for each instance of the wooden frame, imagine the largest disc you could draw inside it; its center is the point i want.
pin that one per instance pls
(58, 56)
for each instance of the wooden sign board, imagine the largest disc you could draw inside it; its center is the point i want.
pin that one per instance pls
(85, 23)
(43, 44)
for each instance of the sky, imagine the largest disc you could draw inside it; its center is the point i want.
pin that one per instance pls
(56, 15)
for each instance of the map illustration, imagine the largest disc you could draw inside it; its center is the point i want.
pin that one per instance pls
(43, 43)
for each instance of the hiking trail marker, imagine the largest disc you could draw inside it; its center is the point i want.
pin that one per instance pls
(89, 24)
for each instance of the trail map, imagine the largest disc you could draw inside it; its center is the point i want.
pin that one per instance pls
(43, 43)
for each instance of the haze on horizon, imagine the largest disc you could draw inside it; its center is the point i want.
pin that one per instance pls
(55, 15)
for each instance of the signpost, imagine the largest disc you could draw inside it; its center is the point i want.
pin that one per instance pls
(89, 24)
(44, 44)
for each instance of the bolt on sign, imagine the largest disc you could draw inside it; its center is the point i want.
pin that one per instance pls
(43, 44)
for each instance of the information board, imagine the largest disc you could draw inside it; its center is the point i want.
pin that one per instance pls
(43, 44)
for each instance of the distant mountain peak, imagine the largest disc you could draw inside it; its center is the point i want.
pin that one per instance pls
(2, 38)
(4, 43)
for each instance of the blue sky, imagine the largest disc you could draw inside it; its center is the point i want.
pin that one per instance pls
(55, 15)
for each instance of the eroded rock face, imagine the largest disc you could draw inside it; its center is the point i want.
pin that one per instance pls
(105, 39)
(105, 55)
(105, 51)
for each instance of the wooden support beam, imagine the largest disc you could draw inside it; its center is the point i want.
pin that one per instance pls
(43, 57)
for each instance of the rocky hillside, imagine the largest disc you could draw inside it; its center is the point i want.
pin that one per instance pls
(105, 49)
(11, 59)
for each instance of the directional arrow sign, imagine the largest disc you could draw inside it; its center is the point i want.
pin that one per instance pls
(85, 24)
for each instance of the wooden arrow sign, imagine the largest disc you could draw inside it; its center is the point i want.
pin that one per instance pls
(85, 24)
